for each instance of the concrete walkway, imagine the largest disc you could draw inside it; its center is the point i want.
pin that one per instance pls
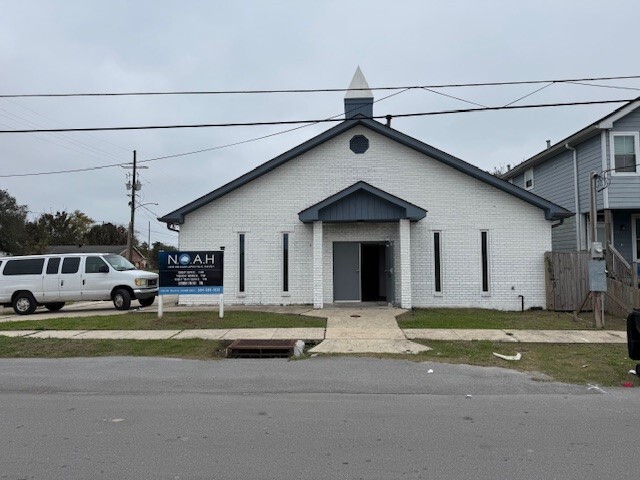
(364, 330)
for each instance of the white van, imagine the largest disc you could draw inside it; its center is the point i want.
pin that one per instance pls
(51, 280)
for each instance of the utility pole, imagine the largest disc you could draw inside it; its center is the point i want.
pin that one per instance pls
(596, 248)
(132, 203)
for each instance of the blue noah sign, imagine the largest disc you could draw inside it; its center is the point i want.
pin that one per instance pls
(189, 273)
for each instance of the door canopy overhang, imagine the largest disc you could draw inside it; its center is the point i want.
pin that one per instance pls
(362, 202)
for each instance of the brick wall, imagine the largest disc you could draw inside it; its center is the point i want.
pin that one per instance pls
(458, 206)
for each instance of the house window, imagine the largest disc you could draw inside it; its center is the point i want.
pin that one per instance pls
(528, 179)
(285, 262)
(625, 147)
(484, 240)
(241, 250)
(437, 263)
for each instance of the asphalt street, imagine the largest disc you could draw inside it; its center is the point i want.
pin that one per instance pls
(315, 418)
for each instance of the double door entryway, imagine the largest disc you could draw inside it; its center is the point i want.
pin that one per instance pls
(363, 272)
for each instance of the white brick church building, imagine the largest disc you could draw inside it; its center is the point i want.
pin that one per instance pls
(365, 213)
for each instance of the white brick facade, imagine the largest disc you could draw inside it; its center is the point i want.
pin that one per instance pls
(459, 207)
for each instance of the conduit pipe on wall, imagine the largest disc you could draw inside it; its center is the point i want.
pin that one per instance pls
(576, 193)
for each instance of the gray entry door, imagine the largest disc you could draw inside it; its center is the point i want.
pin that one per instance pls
(346, 271)
(390, 281)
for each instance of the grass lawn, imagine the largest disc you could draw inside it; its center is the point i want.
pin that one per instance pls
(496, 319)
(170, 321)
(604, 365)
(63, 348)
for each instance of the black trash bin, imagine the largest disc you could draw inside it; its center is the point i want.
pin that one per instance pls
(633, 335)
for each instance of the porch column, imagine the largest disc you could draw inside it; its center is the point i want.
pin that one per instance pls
(405, 263)
(318, 287)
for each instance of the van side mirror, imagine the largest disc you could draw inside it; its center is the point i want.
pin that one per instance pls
(103, 269)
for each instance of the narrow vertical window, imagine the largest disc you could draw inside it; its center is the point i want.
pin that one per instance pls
(437, 262)
(241, 263)
(484, 237)
(285, 262)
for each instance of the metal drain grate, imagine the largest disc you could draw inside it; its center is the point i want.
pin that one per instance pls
(261, 349)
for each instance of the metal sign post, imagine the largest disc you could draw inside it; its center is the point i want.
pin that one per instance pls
(191, 273)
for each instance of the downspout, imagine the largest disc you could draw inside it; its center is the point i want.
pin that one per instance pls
(576, 192)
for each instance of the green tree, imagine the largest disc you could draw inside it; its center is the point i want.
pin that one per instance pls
(61, 228)
(106, 234)
(12, 224)
(152, 257)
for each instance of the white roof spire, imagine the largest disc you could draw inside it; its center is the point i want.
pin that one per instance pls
(359, 88)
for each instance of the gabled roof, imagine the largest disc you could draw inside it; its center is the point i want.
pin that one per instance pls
(552, 211)
(587, 132)
(362, 202)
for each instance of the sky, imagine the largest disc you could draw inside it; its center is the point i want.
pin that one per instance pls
(111, 46)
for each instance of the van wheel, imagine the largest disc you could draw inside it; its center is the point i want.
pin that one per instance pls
(122, 299)
(54, 307)
(145, 302)
(24, 303)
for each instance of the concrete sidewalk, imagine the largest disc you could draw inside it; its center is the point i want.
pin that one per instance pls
(349, 329)
(337, 337)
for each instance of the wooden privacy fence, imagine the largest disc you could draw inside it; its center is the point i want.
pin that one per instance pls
(567, 280)
(624, 295)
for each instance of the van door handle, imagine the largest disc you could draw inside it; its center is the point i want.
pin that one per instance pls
(62, 283)
(83, 281)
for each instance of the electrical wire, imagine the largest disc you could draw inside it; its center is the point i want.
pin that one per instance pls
(315, 121)
(219, 147)
(528, 94)
(452, 96)
(310, 90)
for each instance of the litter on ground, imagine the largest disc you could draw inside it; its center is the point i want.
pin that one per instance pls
(515, 357)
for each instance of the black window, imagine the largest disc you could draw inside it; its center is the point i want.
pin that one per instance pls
(241, 263)
(484, 237)
(285, 262)
(30, 266)
(70, 265)
(53, 265)
(359, 144)
(93, 265)
(437, 262)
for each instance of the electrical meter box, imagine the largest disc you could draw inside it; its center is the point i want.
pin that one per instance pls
(596, 250)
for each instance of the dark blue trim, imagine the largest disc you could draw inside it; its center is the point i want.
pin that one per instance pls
(400, 209)
(551, 210)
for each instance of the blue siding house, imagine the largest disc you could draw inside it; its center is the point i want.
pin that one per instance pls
(561, 174)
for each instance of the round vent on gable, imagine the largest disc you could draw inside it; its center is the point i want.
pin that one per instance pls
(359, 144)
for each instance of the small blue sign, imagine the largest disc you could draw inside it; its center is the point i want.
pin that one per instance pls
(190, 290)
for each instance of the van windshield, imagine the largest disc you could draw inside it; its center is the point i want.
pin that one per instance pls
(119, 263)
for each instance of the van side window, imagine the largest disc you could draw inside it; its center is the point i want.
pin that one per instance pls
(52, 266)
(70, 265)
(28, 266)
(93, 265)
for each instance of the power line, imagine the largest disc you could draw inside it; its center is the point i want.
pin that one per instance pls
(405, 115)
(527, 95)
(310, 90)
(325, 120)
(218, 147)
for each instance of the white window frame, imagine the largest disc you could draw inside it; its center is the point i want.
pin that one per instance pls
(524, 180)
(612, 156)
